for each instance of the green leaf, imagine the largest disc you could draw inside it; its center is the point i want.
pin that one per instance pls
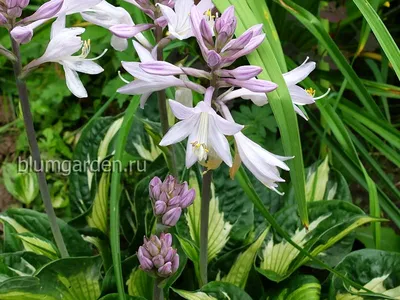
(25, 220)
(140, 284)
(381, 33)
(86, 152)
(22, 185)
(317, 181)
(316, 28)
(219, 229)
(376, 270)
(38, 245)
(69, 279)
(215, 290)
(331, 222)
(240, 270)
(20, 264)
(390, 241)
(280, 100)
(303, 287)
(99, 214)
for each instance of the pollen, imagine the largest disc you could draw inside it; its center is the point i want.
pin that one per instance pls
(386, 4)
(209, 15)
(311, 92)
(85, 49)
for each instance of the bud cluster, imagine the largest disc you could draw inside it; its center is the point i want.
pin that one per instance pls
(157, 256)
(170, 198)
(11, 9)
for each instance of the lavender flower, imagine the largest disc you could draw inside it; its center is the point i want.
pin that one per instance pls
(170, 198)
(157, 256)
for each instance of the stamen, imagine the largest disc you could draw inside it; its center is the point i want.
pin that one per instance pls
(122, 78)
(85, 49)
(324, 95)
(311, 92)
(307, 58)
(100, 56)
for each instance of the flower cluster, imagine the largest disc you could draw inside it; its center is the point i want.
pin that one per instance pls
(157, 256)
(170, 198)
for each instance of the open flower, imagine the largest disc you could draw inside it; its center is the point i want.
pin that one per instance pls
(206, 131)
(292, 78)
(262, 163)
(61, 49)
(178, 18)
(145, 84)
(106, 15)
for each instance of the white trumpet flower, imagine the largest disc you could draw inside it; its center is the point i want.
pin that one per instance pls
(61, 49)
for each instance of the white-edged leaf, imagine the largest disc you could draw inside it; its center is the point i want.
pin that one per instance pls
(38, 245)
(218, 229)
(99, 216)
(278, 257)
(317, 181)
(139, 284)
(194, 295)
(240, 270)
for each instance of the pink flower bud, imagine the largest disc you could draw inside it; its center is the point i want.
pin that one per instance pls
(241, 73)
(160, 207)
(188, 198)
(171, 217)
(165, 270)
(175, 263)
(254, 85)
(213, 59)
(22, 35)
(166, 238)
(161, 21)
(126, 31)
(46, 11)
(3, 19)
(174, 201)
(145, 263)
(206, 33)
(158, 261)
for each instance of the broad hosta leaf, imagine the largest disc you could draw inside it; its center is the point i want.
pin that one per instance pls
(140, 284)
(240, 270)
(38, 245)
(215, 290)
(390, 241)
(25, 220)
(69, 279)
(20, 264)
(116, 297)
(378, 271)
(301, 287)
(99, 215)
(328, 236)
(316, 181)
(22, 185)
(86, 151)
(219, 229)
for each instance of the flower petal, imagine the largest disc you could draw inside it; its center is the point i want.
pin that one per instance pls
(180, 111)
(299, 74)
(144, 54)
(191, 157)
(180, 131)
(219, 143)
(74, 84)
(84, 66)
(118, 43)
(227, 127)
(300, 96)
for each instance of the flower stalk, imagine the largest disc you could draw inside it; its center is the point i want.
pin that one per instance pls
(30, 130)
(162, 106)
(204, 217)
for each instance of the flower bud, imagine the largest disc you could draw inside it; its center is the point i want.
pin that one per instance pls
(162, 264)
(3, 19)
(171, 217)
(46, 11)
(22, 35)
(169, 197)
(126, 31)
(213, 59)
(15, 7)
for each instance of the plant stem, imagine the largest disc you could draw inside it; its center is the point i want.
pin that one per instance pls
(38, 168)
(204, 218)
(158, 293)
(162, 105)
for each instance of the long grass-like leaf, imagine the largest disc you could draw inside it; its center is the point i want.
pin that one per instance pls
(316, 28)
(280, 101)
(115, 195)
(381, 33)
